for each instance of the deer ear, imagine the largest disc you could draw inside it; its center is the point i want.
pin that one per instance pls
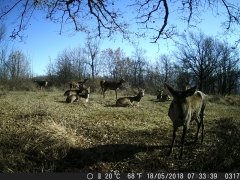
(190, 91)
(171, 90)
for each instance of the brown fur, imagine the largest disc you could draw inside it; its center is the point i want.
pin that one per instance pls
(128, 101)
(79, 84)
(41, 84)
(107, 85)
(186, 106)
(72, 98)
(75, 97)
(163, 96)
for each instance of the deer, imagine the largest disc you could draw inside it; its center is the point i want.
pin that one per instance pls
(81, 87)
(107, 85)
(128, 101)
(79, 84)
(163, 96)
(186, 106)
(41, 84)
(75, 97)
(72, 92)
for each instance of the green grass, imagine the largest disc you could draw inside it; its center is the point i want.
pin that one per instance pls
(39, 132)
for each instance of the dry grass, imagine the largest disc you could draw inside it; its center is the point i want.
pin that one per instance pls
(39, 132)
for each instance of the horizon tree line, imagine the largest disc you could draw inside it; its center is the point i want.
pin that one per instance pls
(199, 60)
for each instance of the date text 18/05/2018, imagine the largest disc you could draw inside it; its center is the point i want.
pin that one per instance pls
(193, 176)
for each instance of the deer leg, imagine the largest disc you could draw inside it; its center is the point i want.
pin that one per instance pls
(182, 140)
(201, 116)
(198, 127)
(173, 139)
(116, 94)
(202, 132)
(104, 91)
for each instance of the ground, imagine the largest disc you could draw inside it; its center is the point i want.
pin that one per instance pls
(39, 132)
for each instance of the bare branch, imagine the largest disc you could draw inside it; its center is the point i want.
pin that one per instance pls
(190, 11)
(231, 16)
(20, 27)
(149, 15)
(70, 14)
(165, 21)
(152, 17)
(10, 9)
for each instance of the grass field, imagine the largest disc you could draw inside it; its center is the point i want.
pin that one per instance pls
(39, 132)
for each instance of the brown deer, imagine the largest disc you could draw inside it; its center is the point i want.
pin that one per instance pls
(41, 84)
(186, 106)
(128, 101)
(107, 85)
(79, 84)
(73, 92)
(163, 96)
(75, 97)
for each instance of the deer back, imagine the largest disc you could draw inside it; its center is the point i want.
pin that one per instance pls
(111, 85)
(72, 98)
(123, 102)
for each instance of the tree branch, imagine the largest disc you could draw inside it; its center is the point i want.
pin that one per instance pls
(231, 17)
(165, 21)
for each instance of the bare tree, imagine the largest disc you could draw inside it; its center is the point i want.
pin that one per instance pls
(106, 17)
(3, 53)
(92, 51)
(138, 67)
(165, 67)
(198, 54)
(18, 65)
(227, 75)
(69, 66)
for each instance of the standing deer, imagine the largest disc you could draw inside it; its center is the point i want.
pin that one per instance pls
(128, 101)
(75, 97)
(41, 84)
(107, 85)
(186, 106)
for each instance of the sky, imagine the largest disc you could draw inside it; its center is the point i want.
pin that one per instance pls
(43, 42)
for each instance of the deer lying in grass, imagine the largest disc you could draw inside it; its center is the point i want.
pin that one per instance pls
(107, 85)
(128, 101)
(75, 97)
(81, 87)
(79, 84)
(73, 92)
(162, 96)
(186, 106)
(41, 84)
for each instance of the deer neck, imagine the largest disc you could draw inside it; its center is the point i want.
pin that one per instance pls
(135, 98)
(85, 96)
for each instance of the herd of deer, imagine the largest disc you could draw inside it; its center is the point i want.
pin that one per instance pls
(187, 105)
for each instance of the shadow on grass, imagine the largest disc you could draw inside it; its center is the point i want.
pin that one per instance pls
(225, 155)
(80, 159)
(61, 102)
(110, 105)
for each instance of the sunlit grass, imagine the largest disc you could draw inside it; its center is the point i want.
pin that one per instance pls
(39, 132)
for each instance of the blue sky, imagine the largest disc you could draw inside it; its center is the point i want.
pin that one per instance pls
(43, 41)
